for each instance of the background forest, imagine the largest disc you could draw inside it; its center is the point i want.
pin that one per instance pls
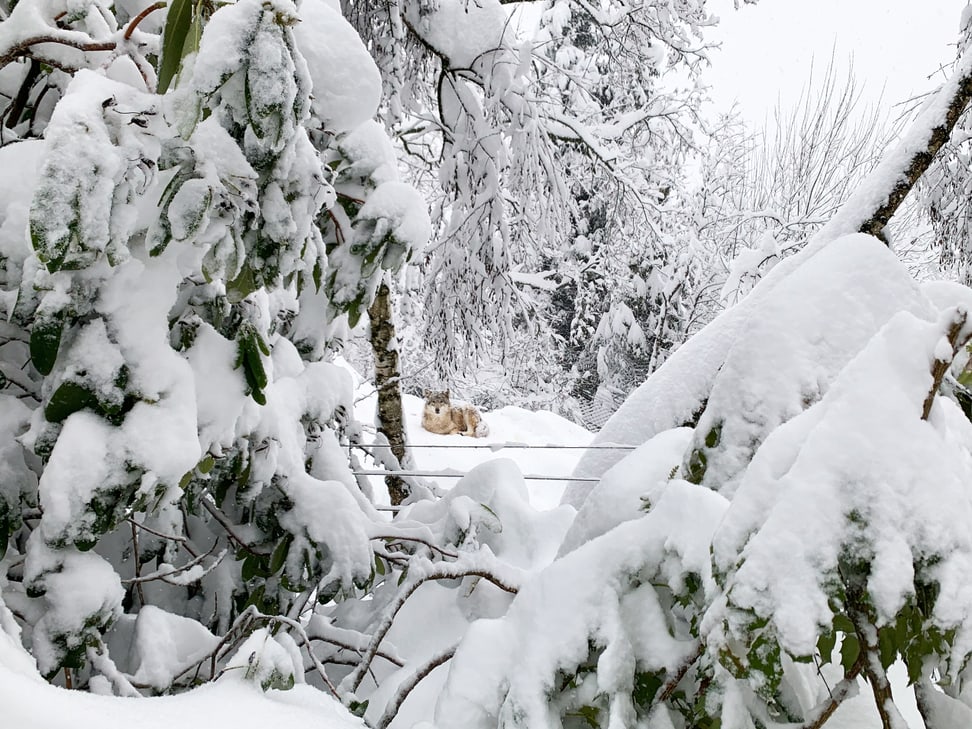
(225, 225)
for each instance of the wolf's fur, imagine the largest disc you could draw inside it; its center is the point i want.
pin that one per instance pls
(441, 416)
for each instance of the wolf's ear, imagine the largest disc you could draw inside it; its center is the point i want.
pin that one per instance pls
(447, 392)
(426, 394)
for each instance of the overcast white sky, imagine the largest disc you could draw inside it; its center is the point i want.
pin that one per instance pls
(768, 48)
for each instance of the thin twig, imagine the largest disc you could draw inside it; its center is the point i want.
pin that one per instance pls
(165, 574)
(130, 28)
(392, 538)
(224, 522)
(357, 651)
(138, 563)
(183, 541)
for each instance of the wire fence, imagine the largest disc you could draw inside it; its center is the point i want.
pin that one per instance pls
(495, 447)
(459, 474)
(502, 446)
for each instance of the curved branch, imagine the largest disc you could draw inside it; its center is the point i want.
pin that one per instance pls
(299, 629)
(133, 24)
(842, 690)
(23, 48)
(391, 711)
(438, 571)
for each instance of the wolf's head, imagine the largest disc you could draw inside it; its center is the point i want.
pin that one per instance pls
(437, 402)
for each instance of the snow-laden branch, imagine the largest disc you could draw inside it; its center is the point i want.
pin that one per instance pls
(182, 575)
(28, 33)
(957, 337)
(480, 564)
(348, 640)
(391, 710)
(922, 143)
(843, 690)
(567, 128)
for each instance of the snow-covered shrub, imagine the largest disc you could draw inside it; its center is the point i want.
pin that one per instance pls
(170, 440)
(809, 529)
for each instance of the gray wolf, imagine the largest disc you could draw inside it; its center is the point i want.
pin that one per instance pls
(441, 416)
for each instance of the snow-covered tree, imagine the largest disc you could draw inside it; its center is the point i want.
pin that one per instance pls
(533, 125)
(186, 251)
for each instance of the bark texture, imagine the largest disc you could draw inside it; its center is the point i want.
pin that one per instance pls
(390, 421)
(922, 159)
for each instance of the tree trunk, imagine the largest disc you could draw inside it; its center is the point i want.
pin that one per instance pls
(389, 418)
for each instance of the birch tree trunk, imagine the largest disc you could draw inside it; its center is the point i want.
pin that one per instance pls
(389, 418)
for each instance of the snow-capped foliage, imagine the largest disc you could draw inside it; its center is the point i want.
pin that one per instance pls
(831, 529)
(171, 443)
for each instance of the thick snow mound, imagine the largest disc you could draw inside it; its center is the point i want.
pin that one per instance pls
(28, 702)
(460, 30)
(859, 476)
(798, 336)
(347, 84)
(621, 494)
(583, 598)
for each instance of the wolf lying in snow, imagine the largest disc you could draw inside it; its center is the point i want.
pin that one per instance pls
(441, 416)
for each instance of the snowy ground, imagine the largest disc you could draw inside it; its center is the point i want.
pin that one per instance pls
(509, 427)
